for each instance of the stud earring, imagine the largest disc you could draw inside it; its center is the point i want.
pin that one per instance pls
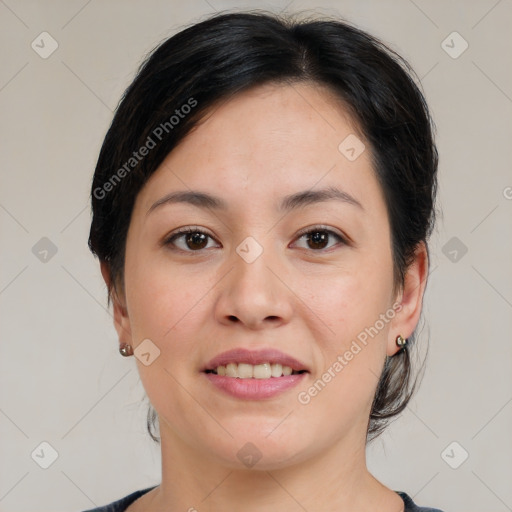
(126, 350)
(401, 342)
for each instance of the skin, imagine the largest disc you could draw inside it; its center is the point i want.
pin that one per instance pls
(307, 300)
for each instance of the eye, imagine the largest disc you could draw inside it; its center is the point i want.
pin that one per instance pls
(317, 238)
(192, 239)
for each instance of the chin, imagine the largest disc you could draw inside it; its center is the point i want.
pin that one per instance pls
(260, 448)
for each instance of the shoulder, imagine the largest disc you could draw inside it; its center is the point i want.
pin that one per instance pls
(410, 506)
(122, 504)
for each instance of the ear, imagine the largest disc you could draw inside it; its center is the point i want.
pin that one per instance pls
(410, 299)
(121, 319)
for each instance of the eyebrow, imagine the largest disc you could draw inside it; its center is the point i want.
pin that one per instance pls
(288, 203)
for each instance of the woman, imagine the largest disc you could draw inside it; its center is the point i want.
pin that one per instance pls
(261, 209)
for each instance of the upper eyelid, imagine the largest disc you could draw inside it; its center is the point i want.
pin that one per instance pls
(320, 227)
(344, 239)
(184, 231)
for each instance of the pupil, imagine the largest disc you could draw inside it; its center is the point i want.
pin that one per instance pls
(318, 238)
(195, 239)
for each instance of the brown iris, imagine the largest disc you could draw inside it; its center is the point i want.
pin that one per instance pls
(196, 240)
(319, 239)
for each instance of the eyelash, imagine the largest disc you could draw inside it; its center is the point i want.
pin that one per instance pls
(307, 231)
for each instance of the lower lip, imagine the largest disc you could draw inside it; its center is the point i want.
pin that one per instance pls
(254, 389)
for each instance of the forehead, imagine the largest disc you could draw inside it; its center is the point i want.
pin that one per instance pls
(281, 118)
(272, 140)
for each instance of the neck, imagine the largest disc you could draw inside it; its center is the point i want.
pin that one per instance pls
(334, 480)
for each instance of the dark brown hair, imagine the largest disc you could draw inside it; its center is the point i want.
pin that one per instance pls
(209, 62)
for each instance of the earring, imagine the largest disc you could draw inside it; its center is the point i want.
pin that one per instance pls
(126, 350)
(401, 342)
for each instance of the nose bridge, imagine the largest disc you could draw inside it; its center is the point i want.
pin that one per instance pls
(251, 273)
(253, 291)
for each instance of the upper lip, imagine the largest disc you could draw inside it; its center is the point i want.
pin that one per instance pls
(243, 355)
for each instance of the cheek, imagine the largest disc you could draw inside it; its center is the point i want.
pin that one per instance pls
(166, 302)
(357, 332)
(164, 305)
(352, 355)
(354, 297)
(355, 304)
(154, 305)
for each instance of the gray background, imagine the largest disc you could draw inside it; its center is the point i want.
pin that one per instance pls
(62, 379)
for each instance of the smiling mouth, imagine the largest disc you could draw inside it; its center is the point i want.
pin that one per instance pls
(257, 371)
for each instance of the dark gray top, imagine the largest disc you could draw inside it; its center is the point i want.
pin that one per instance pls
(122, 504)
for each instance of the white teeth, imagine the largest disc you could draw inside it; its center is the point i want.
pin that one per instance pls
(249, 371)
(287, 370)
(277, 369)
(245, 371)
(262, 371)
(232, 370)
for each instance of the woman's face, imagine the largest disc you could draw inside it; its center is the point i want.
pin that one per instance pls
(272, 158)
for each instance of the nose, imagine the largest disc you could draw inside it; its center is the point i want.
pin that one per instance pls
(255, 294)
